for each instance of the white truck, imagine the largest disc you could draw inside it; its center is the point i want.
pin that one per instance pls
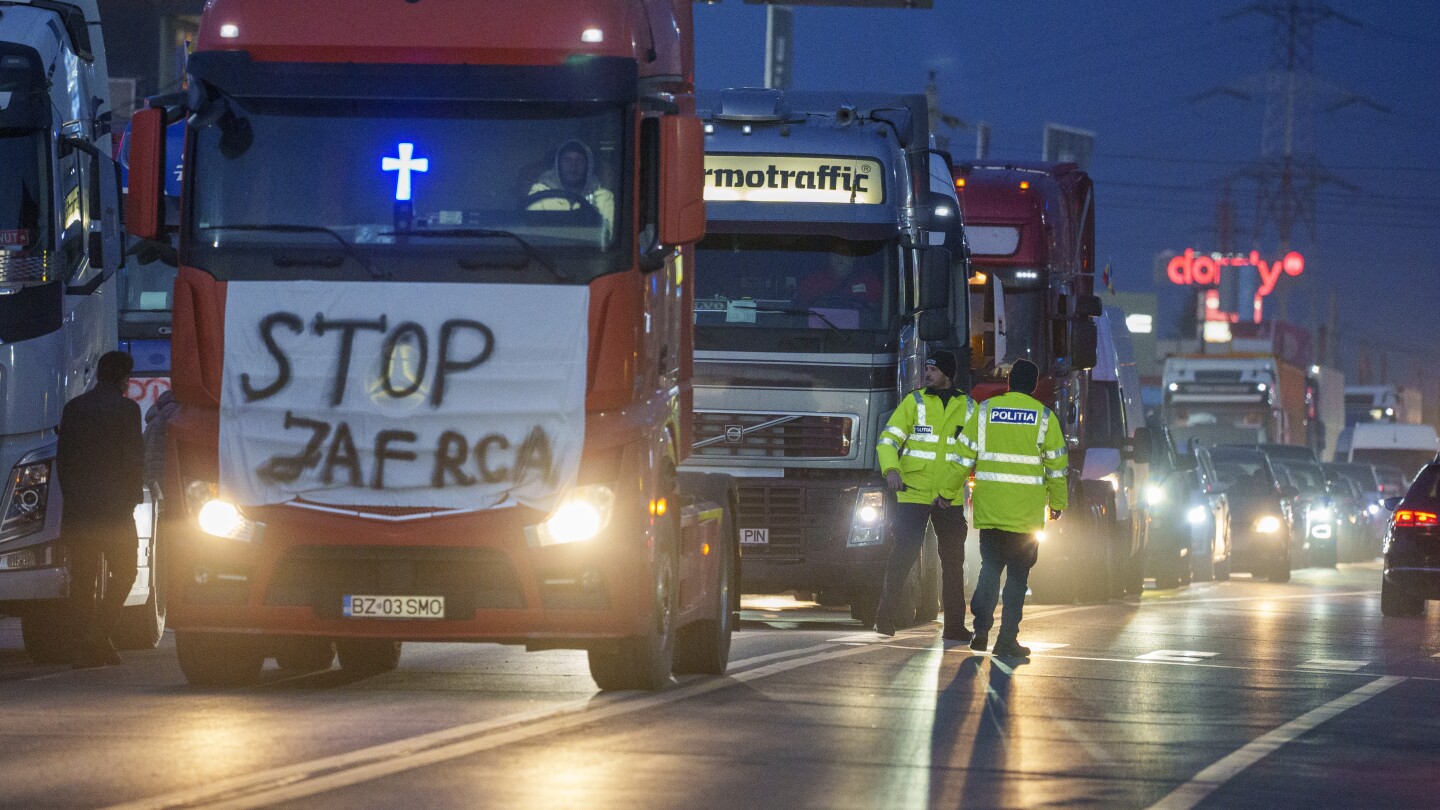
(60, 251)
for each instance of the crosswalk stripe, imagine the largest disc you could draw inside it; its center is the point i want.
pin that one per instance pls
(1334, 663)
(1184, 656)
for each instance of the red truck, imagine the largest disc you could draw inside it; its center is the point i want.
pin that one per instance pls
(1031, 233)
(432, 338)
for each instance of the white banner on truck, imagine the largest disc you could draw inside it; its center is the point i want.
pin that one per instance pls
(789, 178)
(441, 396)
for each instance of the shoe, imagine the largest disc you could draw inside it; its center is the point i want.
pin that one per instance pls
(980, 641)
(960, 633)
(1010, 648)
(885, 627)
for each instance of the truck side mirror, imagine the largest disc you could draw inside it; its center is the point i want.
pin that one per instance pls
(1084, 344)
(1140, 446)
(682, 180)
(934, 292)
(145, 202)
(938, 213)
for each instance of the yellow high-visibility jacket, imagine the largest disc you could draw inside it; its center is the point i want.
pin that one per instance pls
(1017, 452)
(921, 442)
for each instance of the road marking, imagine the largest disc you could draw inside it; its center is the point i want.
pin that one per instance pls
(1214, 777)
(1176, 656)
(1334, 663)
(291, 782)
(1187, 601)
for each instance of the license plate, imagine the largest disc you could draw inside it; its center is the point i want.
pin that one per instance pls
(754, 537)
(394, 607)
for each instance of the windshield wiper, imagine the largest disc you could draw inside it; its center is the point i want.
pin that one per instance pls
(290, 228)
(802, 311)
(487, 233)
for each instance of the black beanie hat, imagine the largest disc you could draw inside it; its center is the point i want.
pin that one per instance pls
(1023, 376)
(943, 360)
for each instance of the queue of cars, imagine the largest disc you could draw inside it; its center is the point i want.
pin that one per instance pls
(1262, 509)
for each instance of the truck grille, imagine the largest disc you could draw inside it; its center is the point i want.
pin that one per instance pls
(796, 516)
(770, 435)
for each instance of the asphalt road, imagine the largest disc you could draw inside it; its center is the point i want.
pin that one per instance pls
(1237, 694)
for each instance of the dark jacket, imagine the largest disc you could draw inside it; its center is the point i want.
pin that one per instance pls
(100, 460)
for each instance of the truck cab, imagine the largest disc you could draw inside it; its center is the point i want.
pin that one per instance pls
(60, 249)
(831, 253)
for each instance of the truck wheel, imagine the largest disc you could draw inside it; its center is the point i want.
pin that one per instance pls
(927, 605)
(1280, 569)
(1397, 602)
(703, 647)
(1222, 570)
(142, 626)
(48, 631)
(299, 654)
(367, 656)
(219, 659)
(645, 661)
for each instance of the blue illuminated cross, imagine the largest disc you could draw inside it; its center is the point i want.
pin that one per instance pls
(405, 164)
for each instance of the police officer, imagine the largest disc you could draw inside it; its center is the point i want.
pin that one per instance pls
(1019, 460)
(916, 451)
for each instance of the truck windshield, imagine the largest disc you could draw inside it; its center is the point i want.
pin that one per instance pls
(414, 191)
(756, 285)
(25, 242)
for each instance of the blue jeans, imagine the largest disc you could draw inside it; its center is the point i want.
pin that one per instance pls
(1001, 550)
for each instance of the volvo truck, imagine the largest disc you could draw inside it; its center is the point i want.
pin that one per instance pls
(60, 250)
(431, 338)
(823, 278)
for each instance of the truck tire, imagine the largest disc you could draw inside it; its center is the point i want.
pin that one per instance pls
(1098, 523)
(364, 657)
(927, 605)
(219, 659)
(49, 633)
(141, 627)
(703, 647)
(645, 661)
(1396, 602)
(300, 654)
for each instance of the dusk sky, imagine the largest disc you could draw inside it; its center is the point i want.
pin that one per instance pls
(1129, 75)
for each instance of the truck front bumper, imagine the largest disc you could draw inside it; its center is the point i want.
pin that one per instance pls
(806, 527)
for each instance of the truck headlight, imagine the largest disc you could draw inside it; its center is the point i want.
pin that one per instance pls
(1197, 515)
(1154, 495)
(581, 515)
(1267, 525)
(867, 525)
(26, 499)
(216, 516)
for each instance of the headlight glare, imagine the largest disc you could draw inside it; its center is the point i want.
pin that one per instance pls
(581, 515)
(1154, 495)
(867, 526)
(1268, 524)
(216, 516)
(1322, 514)
(1197, 515)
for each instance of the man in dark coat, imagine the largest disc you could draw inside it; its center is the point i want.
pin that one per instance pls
(100, 463)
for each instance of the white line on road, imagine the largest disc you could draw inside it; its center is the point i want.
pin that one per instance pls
(291, 782)
(1214, 777)
(1176, 656)
(1187, 601)
(1334, 663)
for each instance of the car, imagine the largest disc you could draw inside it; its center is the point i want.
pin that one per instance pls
(1393, 482)
(1191, 519)
(1376, 518)
(1412, 547)
(1352, 539)
(1261, 521)
(1317, 515)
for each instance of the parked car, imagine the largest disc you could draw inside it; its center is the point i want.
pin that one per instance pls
(1260, 518)
(1412, 547)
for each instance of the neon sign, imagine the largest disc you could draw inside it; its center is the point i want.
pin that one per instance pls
(403, 166)
(1204, 270)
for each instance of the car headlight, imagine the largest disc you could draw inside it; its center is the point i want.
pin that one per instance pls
(581, 515)
(1373, 509)
(1268, 524)
(26, 499)
(216, 516)
(867, 525)
(1197, 515)
(1154, 495)
(1321, 514)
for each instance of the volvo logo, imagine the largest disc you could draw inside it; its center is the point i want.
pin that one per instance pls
(734, 434)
